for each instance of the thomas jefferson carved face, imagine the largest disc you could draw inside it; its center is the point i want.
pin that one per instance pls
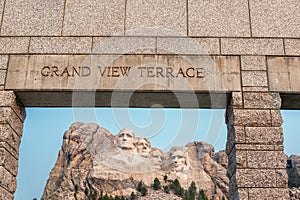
(126, 139)
(143, 147)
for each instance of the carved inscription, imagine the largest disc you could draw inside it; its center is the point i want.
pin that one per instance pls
(121, 71)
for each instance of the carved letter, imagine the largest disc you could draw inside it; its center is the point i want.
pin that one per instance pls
(187, 72)
(65, 71)
(115, 72)
(125, 70)
(200, 72)
(141, 68)
(45, 71)
(85, 71)
(54, 71)
(159, 70)
(150, 72)
(180, 72)
(102, 72)
(169, 72)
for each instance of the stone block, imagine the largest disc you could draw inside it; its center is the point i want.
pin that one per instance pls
(7, 181)
(264, 135)
(292, 47)
(276, 118)
(94, 18)
(33, 17)
(8, 161)
(255, 178)
(282, 178)
(11, 45)
(4, 194)
(253, 63)
(259, 147)
(8, 136)
(124, 45)
(262, 100)
(254, 78)
(251, 46)
(268, 193)
(9, 99)
(7, 115)
(228, 18)
(237, 99)
(276, 18)
(3, 61)
(188, 46)
(2, 77)
(243, 117)
(278, 73)
(241, 159)
(255, 89)
(266, 159)
(156, 17)
(61, 45)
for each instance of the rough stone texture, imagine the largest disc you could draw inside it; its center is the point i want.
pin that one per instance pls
(124, 45)
(8, 99)
(259, 147)
(294, 193)
(268, 193)
(4, 194)
(256, 178)
(255, 89)
(219, 18)
(237, 99)
(277, 120)
(262, 100)
(7, 115)
(156, 17)
(266, 159)
(277, 18)
(292, 47)
(241, 117)
(3, 61)
(264, 135)
(282, 177)
(92, 157)
(7, 181)
(253, 63)
(94, 18)
(2, 77)
(34, 17)
(60, 45)
(251, 46)
(254, 78)
(9, 139)
(9, 162)
(188, 46)
(11, 45)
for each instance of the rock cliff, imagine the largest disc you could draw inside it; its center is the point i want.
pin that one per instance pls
(93, 159)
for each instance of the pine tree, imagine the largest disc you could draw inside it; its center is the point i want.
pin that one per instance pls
(156, 185)
(202, 195)
(192, 191)
(223, 198)
(165, 178)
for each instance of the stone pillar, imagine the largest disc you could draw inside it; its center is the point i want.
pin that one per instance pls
(257, 163)
(12, 115)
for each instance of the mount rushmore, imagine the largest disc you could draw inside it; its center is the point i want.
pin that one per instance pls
(91, 157)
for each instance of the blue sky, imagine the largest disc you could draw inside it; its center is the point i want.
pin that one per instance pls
(44, 129)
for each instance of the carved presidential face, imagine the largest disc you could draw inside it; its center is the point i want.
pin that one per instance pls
(178, 160)
(126, 139)
(143, 147)
(156, 158)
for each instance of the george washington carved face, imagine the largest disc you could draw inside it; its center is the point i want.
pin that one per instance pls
(126, 139)
(143, 147)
